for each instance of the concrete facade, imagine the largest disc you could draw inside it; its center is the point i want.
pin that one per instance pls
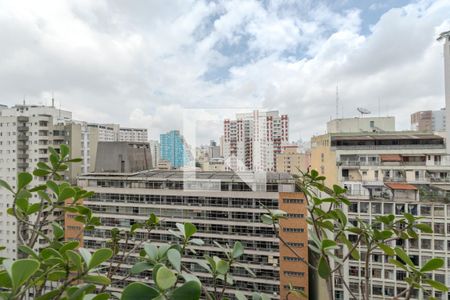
(363, 124)
(122, 157)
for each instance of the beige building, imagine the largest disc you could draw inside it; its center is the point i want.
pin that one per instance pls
(390, 173)
(291, 161)
(363, 124)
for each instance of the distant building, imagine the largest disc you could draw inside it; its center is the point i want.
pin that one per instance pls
(225, 209)
(361, 124)
(213, 150)
(252, 140)
(291, 161)
(122, 157)
(164, 165)
(115, 133)
(174, 149)
(155, 151)
(428, 120)
(214, 164)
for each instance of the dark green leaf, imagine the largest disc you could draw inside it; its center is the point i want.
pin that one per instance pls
(323, 268)
(189, 291)
(139, 291)
(99, 257)
(432, 264)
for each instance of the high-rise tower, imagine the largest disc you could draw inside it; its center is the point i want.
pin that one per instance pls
(446, 37)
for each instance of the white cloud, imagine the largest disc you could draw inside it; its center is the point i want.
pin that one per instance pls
(142, 62)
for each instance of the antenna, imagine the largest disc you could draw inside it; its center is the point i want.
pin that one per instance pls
(337, 101)
(363, 111)
(53, 100)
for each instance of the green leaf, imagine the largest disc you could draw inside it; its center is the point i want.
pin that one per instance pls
(189, 230)
(99, 257)
(63, 150)
(432, 264)
(165, 278)
(424, 228)
(40, 172)
(240, 295)
(75, 258)
(86, 255)
(238, 250)
(103, 296)
(58, 231)
(27, 250)
(175, 259)
(21, 270)
(139, 291)
(323, 268)
(398, 264)
(437, 285)
(140, 267)
(386, 249)
(328, 244)
(66, 193)
(56, 275)
(403, 256)
(151, 250)
(222, 267)
(23, 179)
(68, 246)
(6, 186)
(189, 291)
(97, 279)
(197, 242)
(267, 219)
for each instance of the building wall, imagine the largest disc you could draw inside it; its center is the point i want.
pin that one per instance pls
(293, 270)
(365, 124)
(174, 149)
(292, 162)
(323, 159)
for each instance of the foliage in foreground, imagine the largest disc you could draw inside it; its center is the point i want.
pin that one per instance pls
(51, 267)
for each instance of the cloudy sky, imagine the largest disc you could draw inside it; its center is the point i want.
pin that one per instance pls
(142, 63)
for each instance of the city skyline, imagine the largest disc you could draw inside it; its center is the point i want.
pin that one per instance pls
(224, 57)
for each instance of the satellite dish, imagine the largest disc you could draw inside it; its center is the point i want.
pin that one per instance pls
(363, 111)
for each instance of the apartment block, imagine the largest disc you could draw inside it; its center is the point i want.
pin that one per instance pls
(428, 120)
(155, 152)
(390, 172)
(26, 132)
(291, 161)
(252, 140)
(115, 133)
(225, 209)
(174, 149)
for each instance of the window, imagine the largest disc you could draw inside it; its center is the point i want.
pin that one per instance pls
(425, 210)
(291, 201)
(426, 244)
(291, 229)
(294, 274)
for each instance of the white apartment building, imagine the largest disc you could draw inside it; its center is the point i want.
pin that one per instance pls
(26, 132)
(155, 152)
(252, 140)
(115, 133)
(385, 173)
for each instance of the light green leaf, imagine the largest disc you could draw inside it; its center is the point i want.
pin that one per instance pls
(139, 291)
(267, 219)
(165, 278)
(222, 267)
(21, 270)
(97, 279)
(58, 231)
(240, 295)
(175, 259)
(386, 249)
(140, 267)
(432, 264)
(189, 230)
(437, 285)
(189, 291)
(403, 256)
(151, 250)
(238, 250)
(86, 255)
(75, 258)
(6, 186)
(99, 257)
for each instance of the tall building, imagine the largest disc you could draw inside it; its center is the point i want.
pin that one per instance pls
(115, 133)
(155, 151)
(428, 120)
(361, 124)
(252, 141)
(445, 36)
(123, 157)
(224, 208)
(26, 132)
(390, 172)
(174, 149)
(291, 161)
(213, 150)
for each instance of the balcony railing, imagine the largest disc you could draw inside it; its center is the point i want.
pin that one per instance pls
(351, 163)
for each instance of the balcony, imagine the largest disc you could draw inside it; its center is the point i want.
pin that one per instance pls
(22, 156)
(23, 128)
(22, 165)
(22, 119)
(22, 137)
(22, 147)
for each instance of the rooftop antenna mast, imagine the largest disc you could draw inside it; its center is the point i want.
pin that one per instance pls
(53, 100)
(337, 101)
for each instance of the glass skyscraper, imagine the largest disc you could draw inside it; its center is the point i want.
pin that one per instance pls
(174, 149)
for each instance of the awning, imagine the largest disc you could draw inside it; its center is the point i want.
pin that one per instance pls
(401, 186)
(390, 157)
